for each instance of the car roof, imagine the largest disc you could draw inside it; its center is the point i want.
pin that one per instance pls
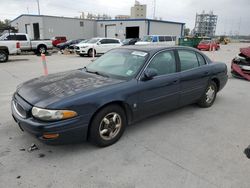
(155, 48)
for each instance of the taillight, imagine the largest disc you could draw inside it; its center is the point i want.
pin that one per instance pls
(18, 45)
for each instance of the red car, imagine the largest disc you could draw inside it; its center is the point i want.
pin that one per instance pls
(208, 45)
(58, 40)
(240, 66)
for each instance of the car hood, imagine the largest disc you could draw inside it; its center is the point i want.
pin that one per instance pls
(142, 43)
(245, 51)
(85, 44)
(45, 90)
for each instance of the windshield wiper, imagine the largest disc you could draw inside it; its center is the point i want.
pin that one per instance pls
(96, 72)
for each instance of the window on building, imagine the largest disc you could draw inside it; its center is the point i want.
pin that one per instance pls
(81, 23)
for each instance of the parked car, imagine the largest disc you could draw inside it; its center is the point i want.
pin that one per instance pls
(123, 86)
(73, 46)
(65, 45)
(208, 45)
(8, 48)
(100, 46)
(130, 41)
(58, 40)
(157, 39)
(26, 44)
(240, 66)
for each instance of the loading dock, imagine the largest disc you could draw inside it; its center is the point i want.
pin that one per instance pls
(132, 32)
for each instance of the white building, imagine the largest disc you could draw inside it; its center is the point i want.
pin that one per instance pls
(46, 27)
(138, 11)
(137, 28)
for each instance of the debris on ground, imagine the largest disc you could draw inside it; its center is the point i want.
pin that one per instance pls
(32, 147)
(22, 149)
(41, 155)
(18, 177)
(247, 152)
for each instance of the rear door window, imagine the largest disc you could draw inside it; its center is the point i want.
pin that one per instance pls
(161, 38)
(11, 37)
(21, 37)
(168, 38)
(112, 41)
(104, 41)
(188, 60)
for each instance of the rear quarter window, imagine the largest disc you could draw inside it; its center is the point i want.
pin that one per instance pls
(201, 59)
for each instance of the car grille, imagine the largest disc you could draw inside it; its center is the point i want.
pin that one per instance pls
(19, 109)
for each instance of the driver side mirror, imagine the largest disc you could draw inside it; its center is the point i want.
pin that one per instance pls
(149, 74)
(98, 43)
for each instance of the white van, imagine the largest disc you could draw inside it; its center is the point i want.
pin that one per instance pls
(157, 39)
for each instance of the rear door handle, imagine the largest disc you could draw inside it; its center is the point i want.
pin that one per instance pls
(175, 81)
(206, 73)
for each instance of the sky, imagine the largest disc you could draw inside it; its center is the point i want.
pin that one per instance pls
(233, 15)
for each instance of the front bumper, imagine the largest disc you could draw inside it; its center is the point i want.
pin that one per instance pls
(240, 71)
(81, 52)
(70, 130)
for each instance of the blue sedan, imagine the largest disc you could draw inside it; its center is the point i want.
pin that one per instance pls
(123, 86)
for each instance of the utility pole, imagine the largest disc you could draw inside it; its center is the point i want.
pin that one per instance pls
(38, 7)
(154, 9)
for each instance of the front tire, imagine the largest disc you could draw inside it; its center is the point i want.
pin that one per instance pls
(107, 126)
(209, 96)
(3, 56)
(90, 53)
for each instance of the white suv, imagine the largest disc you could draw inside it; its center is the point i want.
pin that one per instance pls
(100, 46)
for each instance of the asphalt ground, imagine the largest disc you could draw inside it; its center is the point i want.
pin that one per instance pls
(189, 148)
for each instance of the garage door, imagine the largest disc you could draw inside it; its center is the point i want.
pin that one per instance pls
(110, 31)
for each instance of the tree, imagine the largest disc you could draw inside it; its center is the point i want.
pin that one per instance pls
(5, 25)
(186, 31)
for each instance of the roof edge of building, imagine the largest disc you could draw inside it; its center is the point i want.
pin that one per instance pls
(142, 19)
(36, 15)
(130, 19)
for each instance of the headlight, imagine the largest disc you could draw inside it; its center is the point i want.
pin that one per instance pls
(50, 115)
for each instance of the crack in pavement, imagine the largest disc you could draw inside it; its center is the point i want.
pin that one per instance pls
(12, 75)
(178, 165)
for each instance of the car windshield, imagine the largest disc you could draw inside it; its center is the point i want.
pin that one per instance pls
(147, 39)
(126, 41)
(92, 41)
(2, 37)
(84, 41)
(119, 63)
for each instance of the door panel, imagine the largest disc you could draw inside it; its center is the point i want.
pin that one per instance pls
(160, 94)
(194, 76)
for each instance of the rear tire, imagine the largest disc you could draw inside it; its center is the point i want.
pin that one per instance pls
(107, 126)
(209, 96)
(3, 56)
(42, 49)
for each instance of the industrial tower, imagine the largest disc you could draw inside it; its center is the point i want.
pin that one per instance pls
(205, 24)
